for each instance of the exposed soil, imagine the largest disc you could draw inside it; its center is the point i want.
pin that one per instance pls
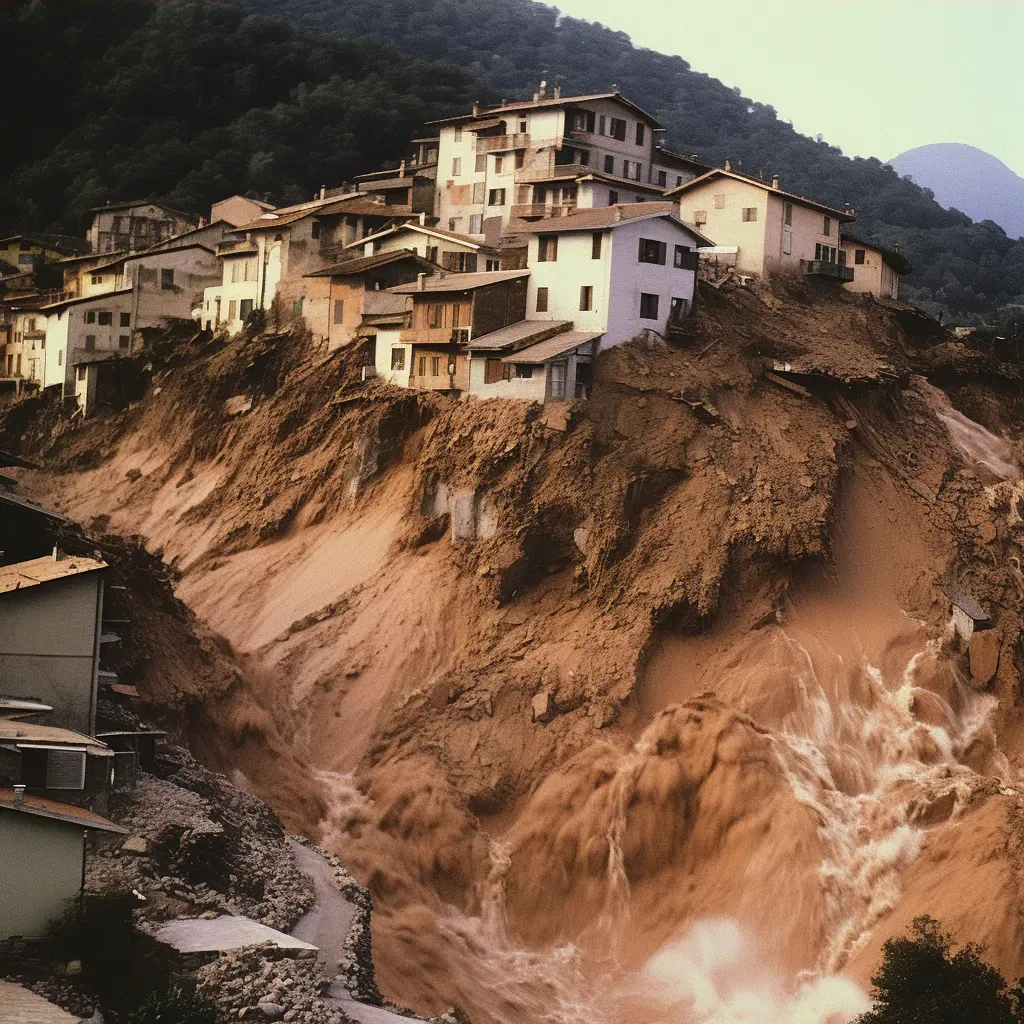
(579, 694)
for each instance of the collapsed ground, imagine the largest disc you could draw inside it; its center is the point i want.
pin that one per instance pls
(428, 630)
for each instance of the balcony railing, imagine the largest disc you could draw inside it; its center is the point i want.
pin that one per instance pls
(502, 143)
(552, 170)
(536, 210)
(822, 268)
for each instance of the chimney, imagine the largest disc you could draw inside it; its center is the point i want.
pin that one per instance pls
(536, 96)
(401, 168)
(476, 107)
(423, 218)
(19, 796)
(558, 92)
(895, 246)
(421, 281)
(775, 181)
(543, 93)
(728, 165)
(58, 555)
(323, 191)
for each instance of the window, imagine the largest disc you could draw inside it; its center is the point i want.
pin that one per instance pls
(97, 279)
(547, 248)
(520, 157)
(617, 129)
(479, 191)
(524, 371)
(496, 197)
(398, 359)
(788, 208)
(456, 166)
(453, 223)
(638, 171)
(640, 199)
(679, 180)
(613, 197)
(824, 253)
(166, 278)
(435, 316)
(720, 201)
(245, 308)
(314, 229)
(494, 371)
(126, 319)
(481, 163)
(679, 257)
(234, 271)
(457, 315)
(858, 256)
(106, 318)
(431, 253)
(749, 213)
(542, 300)
(458, 133)
(625, 168)
(423, 366)
(584, 156)
(662, 179)
(90, 317)
(595, 246)
(123, 341)
(492, 265)
(586, 297)
(827, 229)
(639, 133)
(498, 164)
(609, 165)
(700, 216)
(232, 309)
(435, 366)
(32, 323)
(522, 126)
(678, 310)
(60, 357)
(601, 123)
(648, 306)
(296, 307)
(80, 373)
(651, 251)
(787, 242)
(339, 311)
(476, 224)
(90, 343)
(842, 257)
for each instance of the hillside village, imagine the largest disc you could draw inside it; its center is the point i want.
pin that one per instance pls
(506, 251)
(508, 247)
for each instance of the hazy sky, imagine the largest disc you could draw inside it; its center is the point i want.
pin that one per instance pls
(875, 77)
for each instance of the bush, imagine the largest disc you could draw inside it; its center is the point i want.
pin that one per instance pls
(174, 1007)
(923, 981)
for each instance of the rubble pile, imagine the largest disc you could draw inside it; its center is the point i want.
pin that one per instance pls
(200, 846)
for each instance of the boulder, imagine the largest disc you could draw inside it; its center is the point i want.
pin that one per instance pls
(137, 845)
(543, 707)
(984, 657)
(272, 1011)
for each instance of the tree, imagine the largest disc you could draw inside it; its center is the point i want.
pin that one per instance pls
(923, 981)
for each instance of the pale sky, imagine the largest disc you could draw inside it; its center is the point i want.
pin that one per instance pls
(875, 77)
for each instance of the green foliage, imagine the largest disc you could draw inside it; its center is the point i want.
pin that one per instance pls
(174, 1007)
(194, 100)
(923, 981)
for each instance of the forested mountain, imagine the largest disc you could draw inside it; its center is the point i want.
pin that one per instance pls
(191, 100)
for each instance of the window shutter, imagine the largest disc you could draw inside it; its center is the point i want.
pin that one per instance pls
(65, 769)
(471, 262)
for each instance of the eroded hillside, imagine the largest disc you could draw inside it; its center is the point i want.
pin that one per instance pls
(579, 689)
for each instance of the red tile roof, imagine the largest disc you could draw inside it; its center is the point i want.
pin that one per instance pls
(44, 807)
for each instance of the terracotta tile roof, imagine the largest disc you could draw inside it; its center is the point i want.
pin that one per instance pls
(37, 571)
(487, 114)
(764, 185)
(53, 307)
(609, 217)
(459, 282)
(356, 206)
(347, 268)
(896, 260)
(44, 807)
(425, 229)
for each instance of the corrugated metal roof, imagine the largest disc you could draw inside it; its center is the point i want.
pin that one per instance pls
(552, 348)
(44, 807)
(37, 571)
(460, 282)
(506, 337)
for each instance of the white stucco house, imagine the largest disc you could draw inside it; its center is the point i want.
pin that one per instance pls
(618, 272)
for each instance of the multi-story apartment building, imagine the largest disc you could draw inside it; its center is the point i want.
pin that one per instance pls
(548, 155)
(129, 226)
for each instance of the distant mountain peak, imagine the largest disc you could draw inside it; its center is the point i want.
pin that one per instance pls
(968, 178)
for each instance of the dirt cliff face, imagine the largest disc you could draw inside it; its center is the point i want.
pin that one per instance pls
(602, 703)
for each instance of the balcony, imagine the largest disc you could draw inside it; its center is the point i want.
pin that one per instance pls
(822, 268)
(551, 170)
(435, 336)
(502, 143)
(534, 211)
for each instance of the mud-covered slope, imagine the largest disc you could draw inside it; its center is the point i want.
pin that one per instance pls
(611, 675)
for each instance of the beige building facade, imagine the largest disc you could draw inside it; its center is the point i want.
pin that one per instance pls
(876, 271)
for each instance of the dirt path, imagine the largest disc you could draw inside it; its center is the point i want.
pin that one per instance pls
(327, 926)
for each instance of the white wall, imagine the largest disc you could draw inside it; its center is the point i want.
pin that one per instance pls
(68, 329)
(529, 388)
(386, 341)
(630, 278)
(563, 278)
(194, 270)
